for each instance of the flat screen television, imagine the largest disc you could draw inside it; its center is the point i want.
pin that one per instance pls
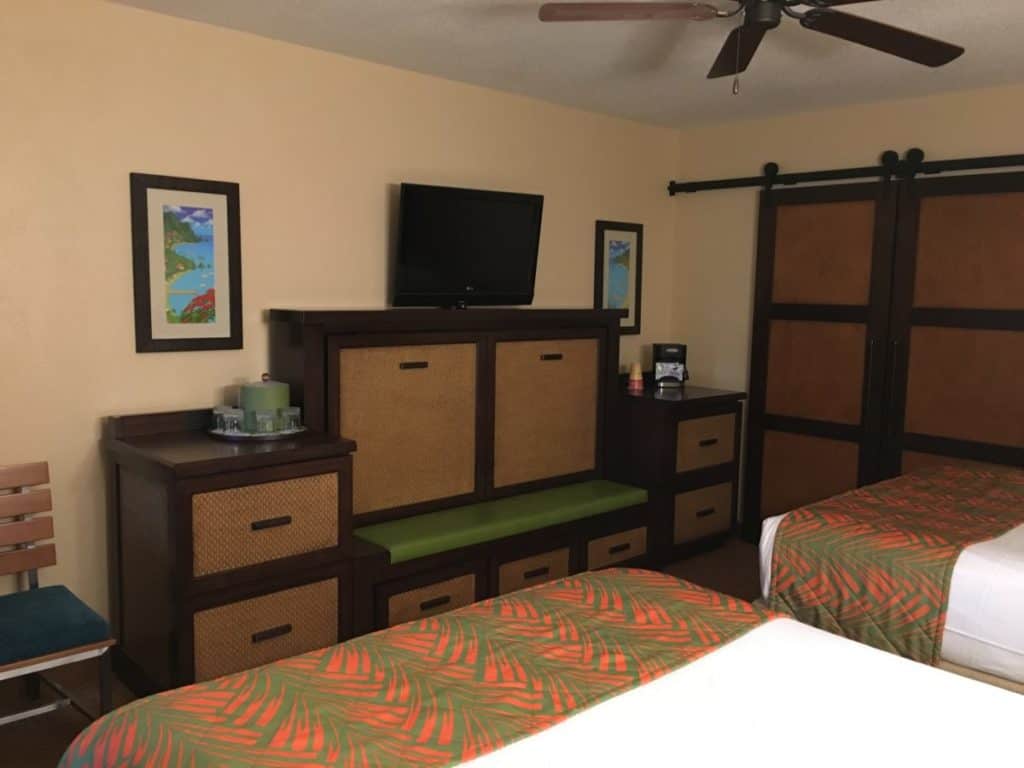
(462, 247)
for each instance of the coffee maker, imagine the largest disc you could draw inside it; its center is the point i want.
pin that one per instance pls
(670, 366)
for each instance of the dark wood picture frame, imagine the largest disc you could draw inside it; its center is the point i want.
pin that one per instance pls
(140, 184)
(628, 326)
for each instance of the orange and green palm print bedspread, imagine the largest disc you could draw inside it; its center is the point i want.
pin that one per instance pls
(434, 692)
(875, 564)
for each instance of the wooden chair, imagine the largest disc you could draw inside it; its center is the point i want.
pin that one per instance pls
(41, 628)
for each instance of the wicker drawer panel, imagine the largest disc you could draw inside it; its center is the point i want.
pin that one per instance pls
(545, 409)
(702, 512)
(432, 599)
(252, 524)
(412, 412)
(254, 632)
(705, 442)
(528, 571)
(617, 547)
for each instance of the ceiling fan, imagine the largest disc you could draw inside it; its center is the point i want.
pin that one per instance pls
(759, 16)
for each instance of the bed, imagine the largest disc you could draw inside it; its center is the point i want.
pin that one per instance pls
(599, 669)
(843, 562)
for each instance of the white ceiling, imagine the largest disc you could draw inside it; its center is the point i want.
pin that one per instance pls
(650, 71)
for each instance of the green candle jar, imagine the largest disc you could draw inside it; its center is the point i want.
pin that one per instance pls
(265, 397)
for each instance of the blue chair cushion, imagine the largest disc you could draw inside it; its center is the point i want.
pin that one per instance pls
(38, 622)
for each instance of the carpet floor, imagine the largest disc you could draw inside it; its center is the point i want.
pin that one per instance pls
(40, 742)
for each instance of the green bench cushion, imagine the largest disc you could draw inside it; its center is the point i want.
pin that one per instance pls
(38, 622)
(448, 529)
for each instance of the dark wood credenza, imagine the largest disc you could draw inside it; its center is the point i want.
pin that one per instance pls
(450, 408)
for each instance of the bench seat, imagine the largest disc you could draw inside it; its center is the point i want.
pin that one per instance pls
(448, 529)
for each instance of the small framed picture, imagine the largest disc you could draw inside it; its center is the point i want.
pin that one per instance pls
(618, 270)
(187, 264)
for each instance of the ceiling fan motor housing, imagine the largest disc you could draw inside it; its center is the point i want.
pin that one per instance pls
(764, 13)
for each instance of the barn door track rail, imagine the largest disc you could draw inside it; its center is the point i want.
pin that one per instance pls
(891, 165)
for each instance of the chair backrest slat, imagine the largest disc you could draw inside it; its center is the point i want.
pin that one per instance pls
(23, 475)
(26, 531)
(19, 560)
(32, 503)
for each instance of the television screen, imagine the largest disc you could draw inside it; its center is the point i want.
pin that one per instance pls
(458, 247)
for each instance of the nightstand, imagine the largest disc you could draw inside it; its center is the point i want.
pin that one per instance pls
(683, 445)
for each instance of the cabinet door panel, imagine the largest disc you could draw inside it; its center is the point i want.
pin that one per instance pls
(412, 412)
(545, 409)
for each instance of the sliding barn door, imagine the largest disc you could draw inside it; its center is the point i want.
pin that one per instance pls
(957, 344)
(822, 294)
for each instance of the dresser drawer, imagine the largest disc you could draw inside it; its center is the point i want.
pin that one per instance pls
(251, 524)
(705, 442)
(412, 411)
(263, 629)
(702, 512)
(545, 409)
(529, 571)
(432, 599)
(609, 550)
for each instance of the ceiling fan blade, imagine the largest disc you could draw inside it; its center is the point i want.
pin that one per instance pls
(830, 3)
(738, 50)
(626, 11)
(882, 37)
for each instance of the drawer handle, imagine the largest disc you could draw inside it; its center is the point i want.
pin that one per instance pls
(543, 571)
(619, 548)
(414, 365)
(552, 356)
(271, 522)
(708, 442)
(270, 634)
(436, 602)
(706, 512)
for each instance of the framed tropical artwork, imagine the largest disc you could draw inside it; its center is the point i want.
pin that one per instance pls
(618, 269)
(187, 267)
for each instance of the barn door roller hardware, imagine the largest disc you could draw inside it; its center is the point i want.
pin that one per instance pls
(890, 165)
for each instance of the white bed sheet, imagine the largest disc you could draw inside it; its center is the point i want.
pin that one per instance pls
(789, 695)
(985, 618)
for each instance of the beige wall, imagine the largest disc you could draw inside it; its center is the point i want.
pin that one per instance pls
(92, 91)
(716, 248)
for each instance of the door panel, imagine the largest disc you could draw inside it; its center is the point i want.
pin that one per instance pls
(913, 461)
(969, 252)
(823, 253)
(958, 321)
(966, 384)
(801, 469)
(816, 370)
(822, 292)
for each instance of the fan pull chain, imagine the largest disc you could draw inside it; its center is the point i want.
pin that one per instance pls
(736, 77)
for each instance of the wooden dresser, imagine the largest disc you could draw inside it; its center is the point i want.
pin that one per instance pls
(683, 446)
(224, 556)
